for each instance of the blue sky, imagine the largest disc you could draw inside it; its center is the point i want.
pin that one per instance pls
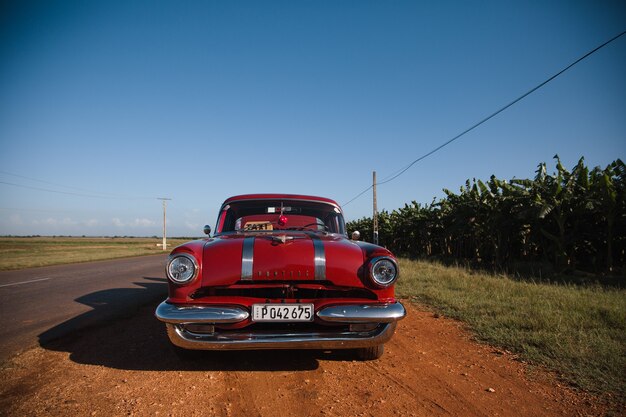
(113, 104)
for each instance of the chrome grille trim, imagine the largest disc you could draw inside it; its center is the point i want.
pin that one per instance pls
(247, 258)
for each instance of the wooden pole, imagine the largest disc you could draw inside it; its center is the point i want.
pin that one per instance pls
(164, 225)
(164, 221)
(375, 237)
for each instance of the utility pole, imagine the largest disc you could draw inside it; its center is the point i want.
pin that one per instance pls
(165, 200)
(375, 211)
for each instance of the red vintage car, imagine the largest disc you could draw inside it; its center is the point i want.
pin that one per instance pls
(280, 273)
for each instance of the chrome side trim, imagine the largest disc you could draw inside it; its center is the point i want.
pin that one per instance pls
(170, 313)
(363, 313)
(247, 258)
(243, 340)
(319, 257)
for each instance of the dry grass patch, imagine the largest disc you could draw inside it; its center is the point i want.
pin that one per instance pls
(577, 331)
(19, 253)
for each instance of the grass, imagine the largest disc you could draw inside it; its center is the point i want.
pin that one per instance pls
(19, 253)
(580, 332)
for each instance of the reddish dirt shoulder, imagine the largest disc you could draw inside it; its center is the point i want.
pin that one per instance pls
(430, 368)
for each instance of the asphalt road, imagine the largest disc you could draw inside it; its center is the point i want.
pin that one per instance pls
(41, 304)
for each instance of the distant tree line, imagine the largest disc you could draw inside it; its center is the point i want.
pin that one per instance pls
(568, 221)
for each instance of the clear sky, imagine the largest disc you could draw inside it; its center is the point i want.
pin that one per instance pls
(112, 104)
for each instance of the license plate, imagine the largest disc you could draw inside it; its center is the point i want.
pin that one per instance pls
(282, 312)
(252, 226)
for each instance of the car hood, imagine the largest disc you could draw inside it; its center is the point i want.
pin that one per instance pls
(290, 256)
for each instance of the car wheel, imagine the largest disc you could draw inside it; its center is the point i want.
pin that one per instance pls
(370, 353)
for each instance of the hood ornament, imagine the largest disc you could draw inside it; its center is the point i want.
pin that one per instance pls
(282, 219)
(282, 238)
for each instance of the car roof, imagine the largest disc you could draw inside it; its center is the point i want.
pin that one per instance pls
(300, 197)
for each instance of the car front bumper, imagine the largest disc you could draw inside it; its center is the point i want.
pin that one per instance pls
(382, 319)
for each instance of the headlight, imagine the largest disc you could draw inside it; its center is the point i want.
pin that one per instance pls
(182, 268)
(383, 271)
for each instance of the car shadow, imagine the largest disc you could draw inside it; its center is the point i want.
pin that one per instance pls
(108, 305)
(117, 335)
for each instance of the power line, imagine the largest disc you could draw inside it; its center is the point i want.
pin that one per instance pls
(71, 193)
(529, 92)
(92, 194)
(42, 181)
(38, 210)
(358, 195)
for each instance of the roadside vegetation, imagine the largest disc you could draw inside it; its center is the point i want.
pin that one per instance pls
(29, 252)
(577, 331)
(559, 223)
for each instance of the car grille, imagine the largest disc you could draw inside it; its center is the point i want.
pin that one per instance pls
(287, 291)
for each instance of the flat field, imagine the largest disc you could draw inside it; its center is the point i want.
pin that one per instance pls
(19, 253)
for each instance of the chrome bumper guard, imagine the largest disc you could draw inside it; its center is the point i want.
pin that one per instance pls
(170, 313)
(385, 315)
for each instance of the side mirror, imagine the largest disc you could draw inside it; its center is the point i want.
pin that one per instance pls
(207, 230)
(356, 235)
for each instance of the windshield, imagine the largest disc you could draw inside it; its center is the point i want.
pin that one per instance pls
(280, 215)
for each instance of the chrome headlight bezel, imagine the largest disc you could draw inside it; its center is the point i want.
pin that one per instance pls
(375, 276)
(171, 276)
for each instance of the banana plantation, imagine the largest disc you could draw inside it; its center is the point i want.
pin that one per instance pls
(560, 222)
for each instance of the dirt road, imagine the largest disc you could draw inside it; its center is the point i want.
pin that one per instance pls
(430, 368)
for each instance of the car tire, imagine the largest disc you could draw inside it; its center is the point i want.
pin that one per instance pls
(370, 353)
